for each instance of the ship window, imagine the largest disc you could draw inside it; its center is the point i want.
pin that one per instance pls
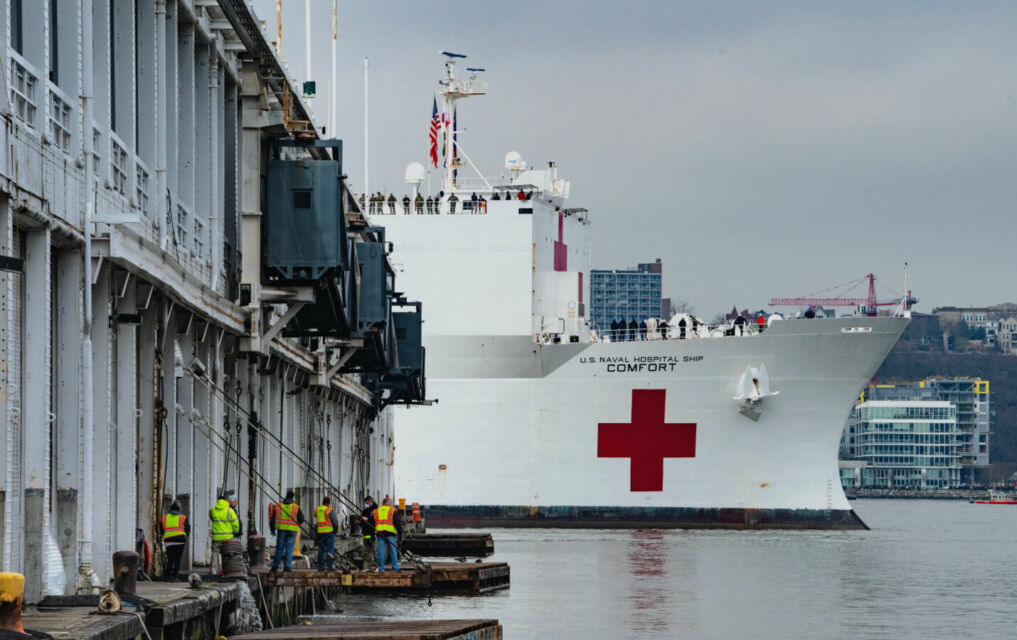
(301, 199)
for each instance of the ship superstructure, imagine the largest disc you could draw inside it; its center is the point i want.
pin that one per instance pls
(543, 422)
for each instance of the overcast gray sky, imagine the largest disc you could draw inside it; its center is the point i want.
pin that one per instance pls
(759, 149)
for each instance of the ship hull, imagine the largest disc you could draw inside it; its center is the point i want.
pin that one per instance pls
(566, 435)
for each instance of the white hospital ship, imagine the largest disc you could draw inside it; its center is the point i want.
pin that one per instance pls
(541, 422)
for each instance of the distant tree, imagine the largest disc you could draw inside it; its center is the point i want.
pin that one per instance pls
(976, 333)
(684, 306)
(720, 318)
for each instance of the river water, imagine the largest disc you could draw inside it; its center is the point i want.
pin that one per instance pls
(927, 569)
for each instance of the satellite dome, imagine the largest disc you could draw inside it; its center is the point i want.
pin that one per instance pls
(513, 160)
(415, 173)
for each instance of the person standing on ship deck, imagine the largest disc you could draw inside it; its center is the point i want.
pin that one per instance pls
(418, 204)
(430, 205)
(681, 328)
(633, 328)
(285, 519)
(175, 530)
(614, 330)
(391, 203)
(642, 329)
(452, 202)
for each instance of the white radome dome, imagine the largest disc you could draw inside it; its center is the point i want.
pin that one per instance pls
(415, 173)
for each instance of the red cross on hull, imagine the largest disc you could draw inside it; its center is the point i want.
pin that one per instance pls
(647, 440)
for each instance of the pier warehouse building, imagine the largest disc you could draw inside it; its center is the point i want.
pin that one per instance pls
(191, 300)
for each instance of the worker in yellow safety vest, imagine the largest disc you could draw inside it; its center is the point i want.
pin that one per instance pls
(285, 519)
(175, 530)
(225, 527)
(325, 526)
(387, 532)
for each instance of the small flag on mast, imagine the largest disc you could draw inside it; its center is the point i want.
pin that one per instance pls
(434, 133)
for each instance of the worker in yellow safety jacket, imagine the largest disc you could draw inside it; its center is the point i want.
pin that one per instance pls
(325, 526)
(175, 529)
(385, 528)
(285, 519)
(225, 527)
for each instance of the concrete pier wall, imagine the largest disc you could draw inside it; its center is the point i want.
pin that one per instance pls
(187, 400)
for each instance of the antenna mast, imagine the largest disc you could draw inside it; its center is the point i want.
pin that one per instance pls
(451, 91)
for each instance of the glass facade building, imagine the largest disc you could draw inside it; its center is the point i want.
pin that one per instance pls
(617, 294)
(913, 444)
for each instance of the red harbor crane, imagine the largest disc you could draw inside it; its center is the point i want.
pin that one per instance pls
(840, 296)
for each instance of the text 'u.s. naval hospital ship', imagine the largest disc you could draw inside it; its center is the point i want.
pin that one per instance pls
(541, 422)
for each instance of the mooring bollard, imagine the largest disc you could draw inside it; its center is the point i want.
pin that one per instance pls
(256, 550)
(12, 590)
(125, 572)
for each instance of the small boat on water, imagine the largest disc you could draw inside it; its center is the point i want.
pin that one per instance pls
(994, 499)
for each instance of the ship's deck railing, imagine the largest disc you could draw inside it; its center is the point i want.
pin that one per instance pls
(386, 208)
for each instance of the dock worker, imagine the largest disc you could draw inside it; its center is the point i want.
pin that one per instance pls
(225, 527)
(234, 504)
(325, 526)
(387, 534)
(367, 528)
(285, 519)
(175, 529)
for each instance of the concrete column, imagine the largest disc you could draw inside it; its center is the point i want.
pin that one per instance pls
(205, 481)
(124, 445)
(102, 357)
(67, 402)
(7, 289)
(185, 403)
(169, 382)
(148, 388)
(35, 451)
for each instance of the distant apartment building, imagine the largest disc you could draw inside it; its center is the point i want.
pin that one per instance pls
(628, 294)
(929, 434)
(999, 323)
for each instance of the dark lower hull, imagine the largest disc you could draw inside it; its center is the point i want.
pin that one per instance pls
(639, 518)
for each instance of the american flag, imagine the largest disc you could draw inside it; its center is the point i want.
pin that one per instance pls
(435, 124)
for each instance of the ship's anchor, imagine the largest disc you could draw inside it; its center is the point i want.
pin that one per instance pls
(753, 388)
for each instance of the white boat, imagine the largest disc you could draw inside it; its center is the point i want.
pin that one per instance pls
(541, 422)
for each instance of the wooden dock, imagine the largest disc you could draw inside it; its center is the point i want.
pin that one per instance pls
(386, 630)
(450, 545)
(461, 577)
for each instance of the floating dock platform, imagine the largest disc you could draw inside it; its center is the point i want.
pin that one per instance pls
(450, 545)
(386, 630)
(460, 577)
